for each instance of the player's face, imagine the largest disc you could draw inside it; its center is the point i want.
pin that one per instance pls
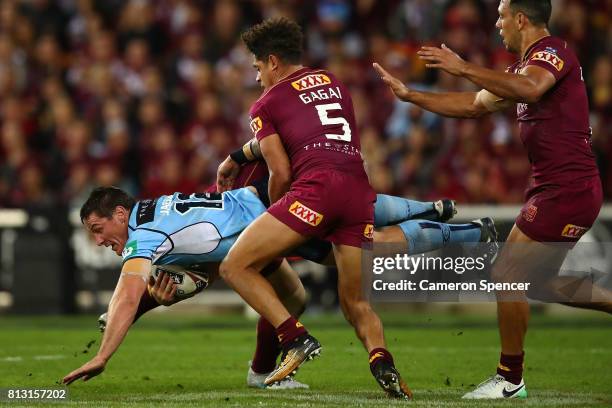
(508, 30)
(110, 232)
(264, 72)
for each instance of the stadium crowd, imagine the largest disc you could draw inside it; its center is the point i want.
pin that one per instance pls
(151, 95)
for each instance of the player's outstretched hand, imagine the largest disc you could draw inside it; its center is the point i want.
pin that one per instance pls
(443, 58)
(163, 290)
(397, 86)
(87, 371)
(226, 174)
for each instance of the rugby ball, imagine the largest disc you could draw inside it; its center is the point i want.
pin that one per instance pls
(189, 282)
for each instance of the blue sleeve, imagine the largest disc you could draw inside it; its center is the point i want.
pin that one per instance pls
(143, 243)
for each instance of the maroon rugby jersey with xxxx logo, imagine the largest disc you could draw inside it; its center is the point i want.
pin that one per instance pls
(313, 114)
(555, 130)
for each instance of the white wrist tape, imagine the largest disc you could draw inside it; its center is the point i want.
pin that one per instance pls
(492, 102)
(140, 275)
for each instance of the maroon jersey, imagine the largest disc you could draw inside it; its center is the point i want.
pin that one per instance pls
(555, 130)
(312, 112)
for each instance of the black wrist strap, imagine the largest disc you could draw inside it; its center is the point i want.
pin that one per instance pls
(239, 157)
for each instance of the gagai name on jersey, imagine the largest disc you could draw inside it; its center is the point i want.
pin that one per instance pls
(320, 95)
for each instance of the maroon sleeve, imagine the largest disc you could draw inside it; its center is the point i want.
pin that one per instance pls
(261, 123)
(557, 61)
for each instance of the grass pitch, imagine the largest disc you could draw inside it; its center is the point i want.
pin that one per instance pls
(202, 361)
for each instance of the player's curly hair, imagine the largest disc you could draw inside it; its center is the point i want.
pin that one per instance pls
(538, 11)
(278, 36)
(103, 201)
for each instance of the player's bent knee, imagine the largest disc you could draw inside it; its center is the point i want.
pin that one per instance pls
(392, 234)
(227, 270)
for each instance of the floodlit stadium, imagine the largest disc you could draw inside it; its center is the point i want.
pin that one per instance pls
(202, 167)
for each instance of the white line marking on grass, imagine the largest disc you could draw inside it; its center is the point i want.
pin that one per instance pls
(18, 359)
(14, 359)
(50, 357)
(460, 349)
(356, 398)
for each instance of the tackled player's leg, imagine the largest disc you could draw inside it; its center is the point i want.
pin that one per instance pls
(292, 294)
(265, 239)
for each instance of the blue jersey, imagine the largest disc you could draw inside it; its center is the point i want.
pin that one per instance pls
(186, 229)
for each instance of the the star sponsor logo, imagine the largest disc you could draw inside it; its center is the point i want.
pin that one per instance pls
(311, 81)
(573, 231)
(551, 50)
(256, 125)
(550, 58)
(305, 214)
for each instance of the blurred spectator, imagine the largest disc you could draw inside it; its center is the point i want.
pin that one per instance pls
(151, 95)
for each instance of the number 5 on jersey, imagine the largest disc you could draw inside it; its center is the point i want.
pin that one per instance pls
(323, 111)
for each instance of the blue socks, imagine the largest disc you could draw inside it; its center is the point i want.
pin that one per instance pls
(390, 210)
(425, 236)
(422, 235)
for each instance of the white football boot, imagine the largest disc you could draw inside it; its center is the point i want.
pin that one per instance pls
(497, 387)
(255, 380)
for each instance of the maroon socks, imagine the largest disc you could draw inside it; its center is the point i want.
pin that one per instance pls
(379, 354)
(267, 348)
(511, 367)
(289, 330)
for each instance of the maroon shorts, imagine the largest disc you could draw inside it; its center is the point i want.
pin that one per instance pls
(330, 205)
(561, 214)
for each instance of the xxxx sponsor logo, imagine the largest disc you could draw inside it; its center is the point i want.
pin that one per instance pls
(549, 57)
(256, 125)
(368, 232)
(310, 81)
(305, 214)
(573, 231)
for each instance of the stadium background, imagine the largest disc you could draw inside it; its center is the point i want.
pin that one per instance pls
(152, 95)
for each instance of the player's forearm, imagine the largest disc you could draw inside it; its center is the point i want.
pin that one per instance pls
(121, 316)
(248, 153)
(279, 166)
(451, 104)
(278, 185)
(515, 87)
(122, 308)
